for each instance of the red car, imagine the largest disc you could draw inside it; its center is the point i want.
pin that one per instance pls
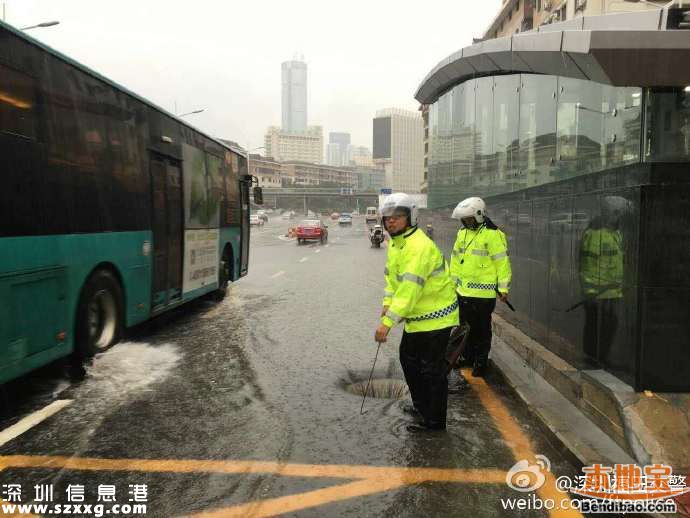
(311, 230)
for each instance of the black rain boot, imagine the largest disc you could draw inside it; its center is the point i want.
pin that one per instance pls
(426, 426)
(480, 368)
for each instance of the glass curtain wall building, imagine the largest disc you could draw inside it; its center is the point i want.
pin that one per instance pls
(494, 135)
(590, 179)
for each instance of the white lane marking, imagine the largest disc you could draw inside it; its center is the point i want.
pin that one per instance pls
(32, 420)
(278, 274)
(303, 259)
(317, 250)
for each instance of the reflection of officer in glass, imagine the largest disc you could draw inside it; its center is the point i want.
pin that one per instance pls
(601, 274)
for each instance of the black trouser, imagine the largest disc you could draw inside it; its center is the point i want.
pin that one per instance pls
(423, 360)
(601, 324)
(477, 313)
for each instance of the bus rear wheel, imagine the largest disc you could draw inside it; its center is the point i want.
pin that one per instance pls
(99, 314)
(224, 275)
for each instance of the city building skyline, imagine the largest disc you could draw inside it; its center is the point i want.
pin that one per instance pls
(398, 148)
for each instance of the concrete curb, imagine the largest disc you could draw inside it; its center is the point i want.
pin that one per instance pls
(585, 441)
(650, 427)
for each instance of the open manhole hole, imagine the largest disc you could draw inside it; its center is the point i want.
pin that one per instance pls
(384, 388)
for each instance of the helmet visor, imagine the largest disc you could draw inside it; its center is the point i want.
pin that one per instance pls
(394, 210)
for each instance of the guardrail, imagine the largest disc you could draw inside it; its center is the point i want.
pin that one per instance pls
(328, 191)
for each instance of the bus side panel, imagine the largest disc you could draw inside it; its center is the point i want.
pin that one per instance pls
(231, 236)
(131, 255)
(41, 278)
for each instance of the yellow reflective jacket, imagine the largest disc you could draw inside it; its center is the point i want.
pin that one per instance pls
(418, 288)
(601, 263)
(480, 264)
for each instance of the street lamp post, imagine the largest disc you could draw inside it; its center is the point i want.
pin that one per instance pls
(191, 113)
(44, 24)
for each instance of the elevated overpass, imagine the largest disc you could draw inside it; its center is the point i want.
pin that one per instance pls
(319, 199)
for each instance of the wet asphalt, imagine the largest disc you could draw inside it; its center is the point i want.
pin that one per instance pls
(260, 378)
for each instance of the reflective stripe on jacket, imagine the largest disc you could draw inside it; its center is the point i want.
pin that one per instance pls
(418, 288)
(479, 264)
(601, 263)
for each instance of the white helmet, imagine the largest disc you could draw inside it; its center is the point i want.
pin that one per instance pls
(470, 207)
(617, 205)
(399, 200)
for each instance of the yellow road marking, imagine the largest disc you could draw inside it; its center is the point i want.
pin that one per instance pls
(406, 474)
(367, 479)
(517, 441)
(292, 503)
(363, 480)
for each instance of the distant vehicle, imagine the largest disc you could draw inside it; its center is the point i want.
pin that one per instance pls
(335, 216)
(288, 214)
(262, 215)
(345, 219)
(311, 230)
(355, 213)
(372, 215)
(255, 219)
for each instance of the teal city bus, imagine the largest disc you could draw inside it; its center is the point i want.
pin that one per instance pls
(111, 209)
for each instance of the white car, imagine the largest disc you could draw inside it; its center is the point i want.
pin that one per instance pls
(372, 215)
(254, 219)
(345, 219)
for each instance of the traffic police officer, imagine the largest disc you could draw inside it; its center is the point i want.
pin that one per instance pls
(602, 255)
(480, 268)
(419, 293)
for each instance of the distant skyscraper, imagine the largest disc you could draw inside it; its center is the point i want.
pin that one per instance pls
(294, 96)
(399, 148)
(338, 149)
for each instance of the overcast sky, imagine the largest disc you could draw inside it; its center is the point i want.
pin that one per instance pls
(225, 56)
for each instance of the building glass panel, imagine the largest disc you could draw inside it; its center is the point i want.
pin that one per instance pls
(623, 126)
(506, 130)
(580, 128)
(484, 157)
(537, 131)
(445, 142)
(463, 138)
(668, 125)
(494, 135)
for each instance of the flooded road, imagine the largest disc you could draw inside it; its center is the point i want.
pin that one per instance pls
(240, 408)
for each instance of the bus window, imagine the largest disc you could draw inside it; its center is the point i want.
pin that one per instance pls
(17, 103)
